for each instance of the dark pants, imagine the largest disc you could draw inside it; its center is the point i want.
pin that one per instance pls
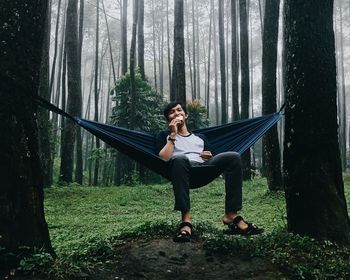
(228, 163)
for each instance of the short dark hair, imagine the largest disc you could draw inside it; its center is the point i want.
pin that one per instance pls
(171, 105)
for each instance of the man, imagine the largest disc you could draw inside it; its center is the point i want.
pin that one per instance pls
(183, 149)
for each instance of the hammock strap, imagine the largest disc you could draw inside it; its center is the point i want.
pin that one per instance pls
(46, 104)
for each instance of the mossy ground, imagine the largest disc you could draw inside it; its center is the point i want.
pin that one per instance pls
(102, 232)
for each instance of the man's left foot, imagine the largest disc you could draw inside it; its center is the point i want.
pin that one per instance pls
(239, 226)
(185, 233)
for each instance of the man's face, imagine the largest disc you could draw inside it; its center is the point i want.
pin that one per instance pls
(177, 113)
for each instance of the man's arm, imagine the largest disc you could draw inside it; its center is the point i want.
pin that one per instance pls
(165, 147)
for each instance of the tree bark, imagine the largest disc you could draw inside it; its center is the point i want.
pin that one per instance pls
(245, 89)
(222, 62)
(234, 62)
(168, 44)
(96, 90)
(314, 186)
(141, 40)
(22, 220)
(132, 67)
(43, 114)
(178, 91)
(271, 149)
(124, 38)
(74, 92)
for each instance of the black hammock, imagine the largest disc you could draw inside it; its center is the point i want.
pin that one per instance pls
(237, 136)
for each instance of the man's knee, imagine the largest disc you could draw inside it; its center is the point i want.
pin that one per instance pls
(179, 160)
(233, 159)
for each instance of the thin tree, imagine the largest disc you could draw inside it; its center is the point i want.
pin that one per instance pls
(124, 37)
(234, 61)
(74, 92)
(314, 186)
(222, 62)
(53, 68)
(194, 94)
(141, 40)
(79, 143)
(245, 88)
(168, 42)
(22, 220)
(271, 149)
(189, 50)
(96, 90)
(178, 89)
(207, 96)
(216, 94)
(132, 67)
(154, 46)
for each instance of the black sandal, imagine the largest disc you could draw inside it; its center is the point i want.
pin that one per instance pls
(183, 235)
(252, 229)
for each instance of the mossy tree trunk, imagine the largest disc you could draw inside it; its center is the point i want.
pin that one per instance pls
(22, 221)
(314, 186)
(271, 148)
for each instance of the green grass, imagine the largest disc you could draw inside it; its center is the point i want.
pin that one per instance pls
(88, 224)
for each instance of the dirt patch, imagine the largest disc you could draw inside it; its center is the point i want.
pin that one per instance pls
(163, 259)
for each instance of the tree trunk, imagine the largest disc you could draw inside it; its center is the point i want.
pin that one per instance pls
(96, 89)
(314, 186)
(43, 114)
(141, 40)
(216, 97)
(53, 68)
(209, 57)
(132, 67)
(189, 50)
(154, 47)
(22, 220)
(271, 149)
(234, 62)
(342, 96)
(74, 92)
(245, 89)
(124, 39)
(194, 94)
(168, 43)
(178, 90)
(79, 139)
(222, 62)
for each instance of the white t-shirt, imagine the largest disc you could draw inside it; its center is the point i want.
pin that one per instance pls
(190, 146)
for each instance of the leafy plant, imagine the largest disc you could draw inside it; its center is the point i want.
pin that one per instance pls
(197, 115)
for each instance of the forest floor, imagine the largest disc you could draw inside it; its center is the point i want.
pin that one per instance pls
(126, 233)
(162, 259)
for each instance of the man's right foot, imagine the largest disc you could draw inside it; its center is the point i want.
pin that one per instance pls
(185, 232)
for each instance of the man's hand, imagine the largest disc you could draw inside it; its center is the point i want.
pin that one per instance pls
(206, 154)
(173, 125)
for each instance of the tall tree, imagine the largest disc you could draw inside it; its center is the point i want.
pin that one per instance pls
(194, 35)
(245, 88)
(178, 89)
(22, 220)
(207, 96)
(74, 92)
(132, 66)
(96, 88)
(79, 140)
(124, 38)
(168, 42)
(222, 62)
(342, 93)
(234, 61)
(314, 186)
(43, 115)
(271, 149)
(141, 40)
